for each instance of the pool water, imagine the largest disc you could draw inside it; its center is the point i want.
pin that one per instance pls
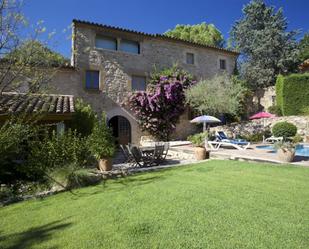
(301, 149)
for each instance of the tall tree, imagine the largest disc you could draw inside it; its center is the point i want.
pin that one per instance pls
(304, 48)
(203, 33)
(24, 61)
(267, 47)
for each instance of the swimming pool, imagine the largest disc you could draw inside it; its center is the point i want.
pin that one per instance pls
(301, 149)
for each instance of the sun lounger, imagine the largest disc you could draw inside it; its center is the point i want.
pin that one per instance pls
(222, 140)
(240, 145)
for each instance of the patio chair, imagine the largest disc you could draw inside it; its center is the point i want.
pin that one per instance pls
(126, 153)
(273, 139)
(158, 154)
(165, 152)
(136, 155)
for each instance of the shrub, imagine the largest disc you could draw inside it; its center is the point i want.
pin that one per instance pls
(82, 178)
(83, 119)
(297, 139)
(293, 93)
(284, 129)
(198, 139)
(275, 109)
(14, 145)
(59, 150)
(101, 142)
(257, 137)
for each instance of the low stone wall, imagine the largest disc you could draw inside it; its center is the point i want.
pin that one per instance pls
(259, 125)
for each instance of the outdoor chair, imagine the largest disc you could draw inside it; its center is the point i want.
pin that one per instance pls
(240, 145)
(166, 147)
(126, 153)
(141, 159)
(136, 156)
(273, 139)
(165, 152)
(223, 140)
(158, 154)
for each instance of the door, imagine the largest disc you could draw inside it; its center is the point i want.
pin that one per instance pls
(121, 129)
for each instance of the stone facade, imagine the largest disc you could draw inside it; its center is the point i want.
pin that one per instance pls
(265, 98)
(116, 68)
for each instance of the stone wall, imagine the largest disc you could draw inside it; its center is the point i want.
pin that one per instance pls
(258, 125)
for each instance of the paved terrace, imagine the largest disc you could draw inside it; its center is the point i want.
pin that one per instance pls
(251, 154)
(184, 154)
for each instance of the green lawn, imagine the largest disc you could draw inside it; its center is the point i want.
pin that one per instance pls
(217, 204)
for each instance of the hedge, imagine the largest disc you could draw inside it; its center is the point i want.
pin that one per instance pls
(292, 94)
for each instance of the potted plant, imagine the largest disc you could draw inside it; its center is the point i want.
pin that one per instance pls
(198, 140)
(102, 145)
(285, 151)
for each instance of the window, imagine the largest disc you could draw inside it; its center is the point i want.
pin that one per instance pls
(138, 83)
(92, 79)
(129, 46)
(273, 100)
(106, 42)
(222, 64)
(190, 58)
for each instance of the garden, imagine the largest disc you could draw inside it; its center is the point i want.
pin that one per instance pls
(206, 205)
(211, 204)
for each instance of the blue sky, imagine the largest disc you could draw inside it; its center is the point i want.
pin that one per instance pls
(154, 16)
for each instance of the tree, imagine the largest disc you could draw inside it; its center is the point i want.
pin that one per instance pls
(304, 48)
(203, 33)
(37, 53)
(160, 107)
(25, 62)
(267, 48)
(27, 65)
(84, 118)
(220, 95)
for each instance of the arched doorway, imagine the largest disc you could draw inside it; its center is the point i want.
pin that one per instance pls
(121, 128)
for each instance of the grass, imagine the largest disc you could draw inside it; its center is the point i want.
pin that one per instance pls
(217, 204)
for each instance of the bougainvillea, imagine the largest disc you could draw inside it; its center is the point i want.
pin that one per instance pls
(159, 108)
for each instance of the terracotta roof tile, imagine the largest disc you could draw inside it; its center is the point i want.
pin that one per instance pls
(12, 102)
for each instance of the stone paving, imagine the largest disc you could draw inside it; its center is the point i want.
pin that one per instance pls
(254, 154)
(184, 155)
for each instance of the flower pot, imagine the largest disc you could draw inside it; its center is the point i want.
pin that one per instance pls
(286, 155)
(200, 153)
(105, 164)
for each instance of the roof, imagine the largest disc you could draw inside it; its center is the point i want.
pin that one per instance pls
(304, 66)
(12, 103)
(159, 36)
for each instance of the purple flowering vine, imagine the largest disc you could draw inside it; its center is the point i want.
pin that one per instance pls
(159, 108)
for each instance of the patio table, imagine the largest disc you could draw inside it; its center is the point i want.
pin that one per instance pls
(148, 150)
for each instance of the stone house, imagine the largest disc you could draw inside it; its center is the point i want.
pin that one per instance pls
(108, 62)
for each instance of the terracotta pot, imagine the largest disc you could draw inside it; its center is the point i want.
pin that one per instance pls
(286, 155)
(105, 164)
(200, 153)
